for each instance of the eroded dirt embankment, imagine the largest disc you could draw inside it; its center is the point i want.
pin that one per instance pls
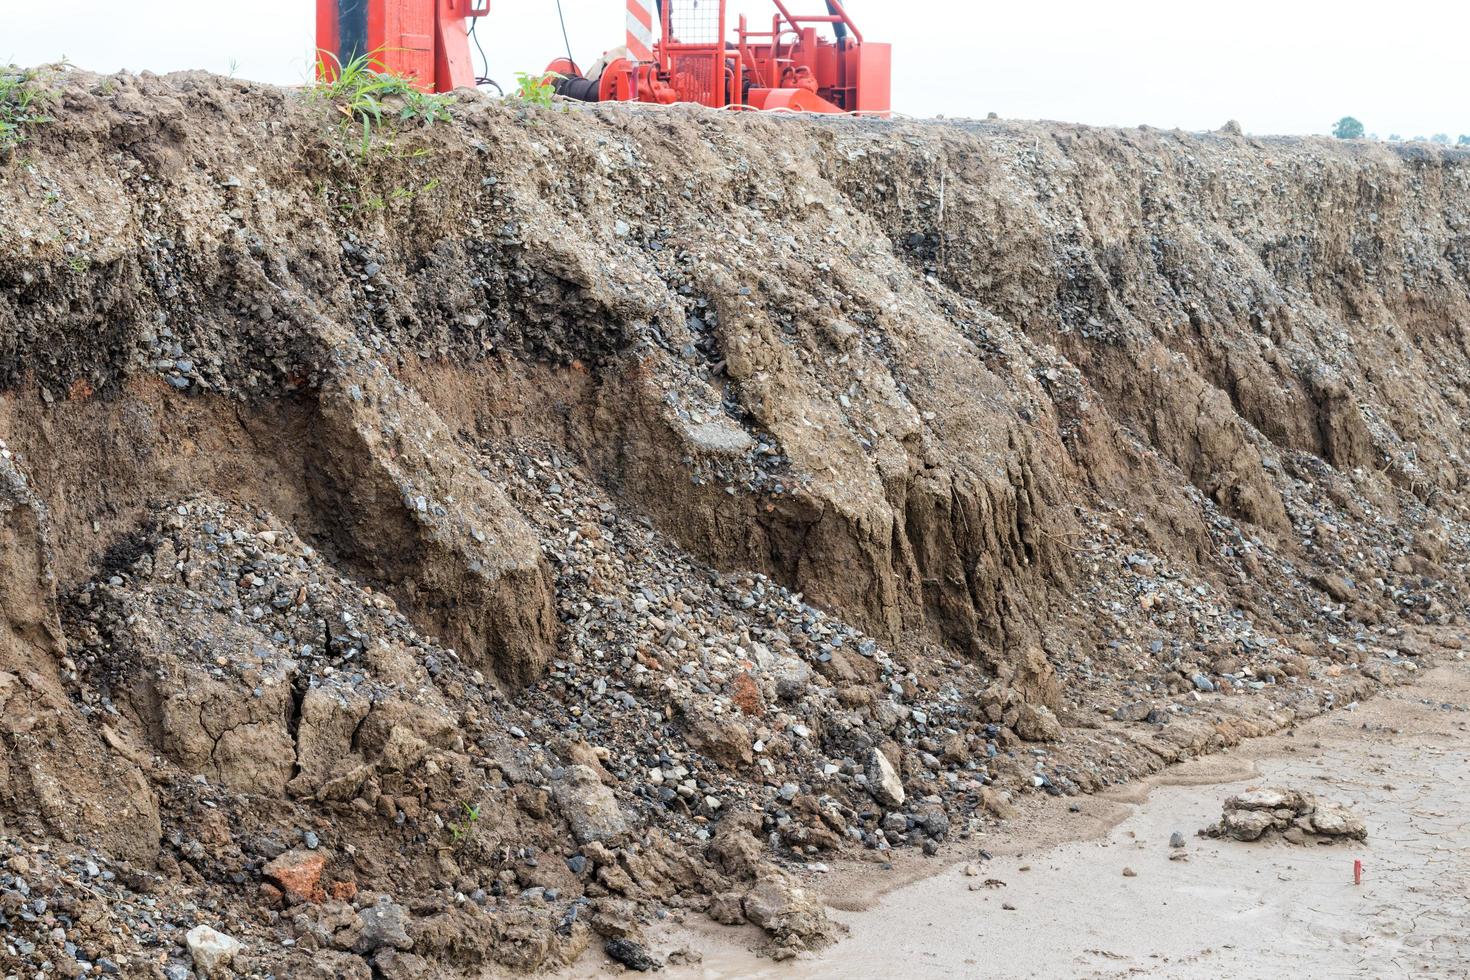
(455, 553)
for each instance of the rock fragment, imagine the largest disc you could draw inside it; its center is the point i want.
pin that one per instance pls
(384, 924)
(1296, 815)
(298, 874)
(1133, 711)
(631, 954)
(211, 950)
(588, 805)
(784, 909)
(883, 781)
(1037, 723)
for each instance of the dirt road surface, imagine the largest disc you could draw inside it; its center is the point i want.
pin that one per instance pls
(1055, 901)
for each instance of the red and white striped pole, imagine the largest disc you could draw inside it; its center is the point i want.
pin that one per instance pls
(640, 30)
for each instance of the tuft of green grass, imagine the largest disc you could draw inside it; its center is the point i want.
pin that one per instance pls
(22, 105)
(368, 98)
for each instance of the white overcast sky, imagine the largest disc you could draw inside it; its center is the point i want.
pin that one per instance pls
(1278, 66)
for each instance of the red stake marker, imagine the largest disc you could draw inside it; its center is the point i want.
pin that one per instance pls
(1357, 872)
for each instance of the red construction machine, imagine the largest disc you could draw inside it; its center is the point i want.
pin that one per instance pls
(675, 51)
(426, 40)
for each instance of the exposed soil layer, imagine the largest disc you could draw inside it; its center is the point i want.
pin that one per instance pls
(443, 555)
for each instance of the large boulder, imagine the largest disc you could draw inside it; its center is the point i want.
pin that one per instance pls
(883, 781)
(588, 805)
(211, 950)
(794, 919)
(1036, 723)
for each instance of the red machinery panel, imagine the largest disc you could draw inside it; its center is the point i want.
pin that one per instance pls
(403, 32)
(425, 40)
(870, 66)
(452, 65)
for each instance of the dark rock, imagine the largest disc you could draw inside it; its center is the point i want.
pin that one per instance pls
(633, 955)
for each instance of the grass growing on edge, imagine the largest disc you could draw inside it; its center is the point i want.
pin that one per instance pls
(22, 105)
(368, 98)
(536, 89)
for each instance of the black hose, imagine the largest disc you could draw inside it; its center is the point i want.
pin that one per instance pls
(565, 40)
(838, 27)
(483, 78)
(577, 87)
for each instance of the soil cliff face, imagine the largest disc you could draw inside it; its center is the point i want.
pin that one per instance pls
(1319, 288)
(601, 508)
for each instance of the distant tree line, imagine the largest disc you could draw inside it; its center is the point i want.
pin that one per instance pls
(1348, 128)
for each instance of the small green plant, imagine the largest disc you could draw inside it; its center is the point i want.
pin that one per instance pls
(369, 204)
(368, 98)
(424, 108)
(1348, 128)
(351, 199)
(536, 89)
(461, 830)
(22, 105)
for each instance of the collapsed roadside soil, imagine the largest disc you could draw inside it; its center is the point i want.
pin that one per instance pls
(1231, 908)
(464, 553)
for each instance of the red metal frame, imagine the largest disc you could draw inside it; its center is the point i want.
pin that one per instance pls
(790, 67)
(425, 40)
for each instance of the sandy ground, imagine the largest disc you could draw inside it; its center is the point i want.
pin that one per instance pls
(1231, 909)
